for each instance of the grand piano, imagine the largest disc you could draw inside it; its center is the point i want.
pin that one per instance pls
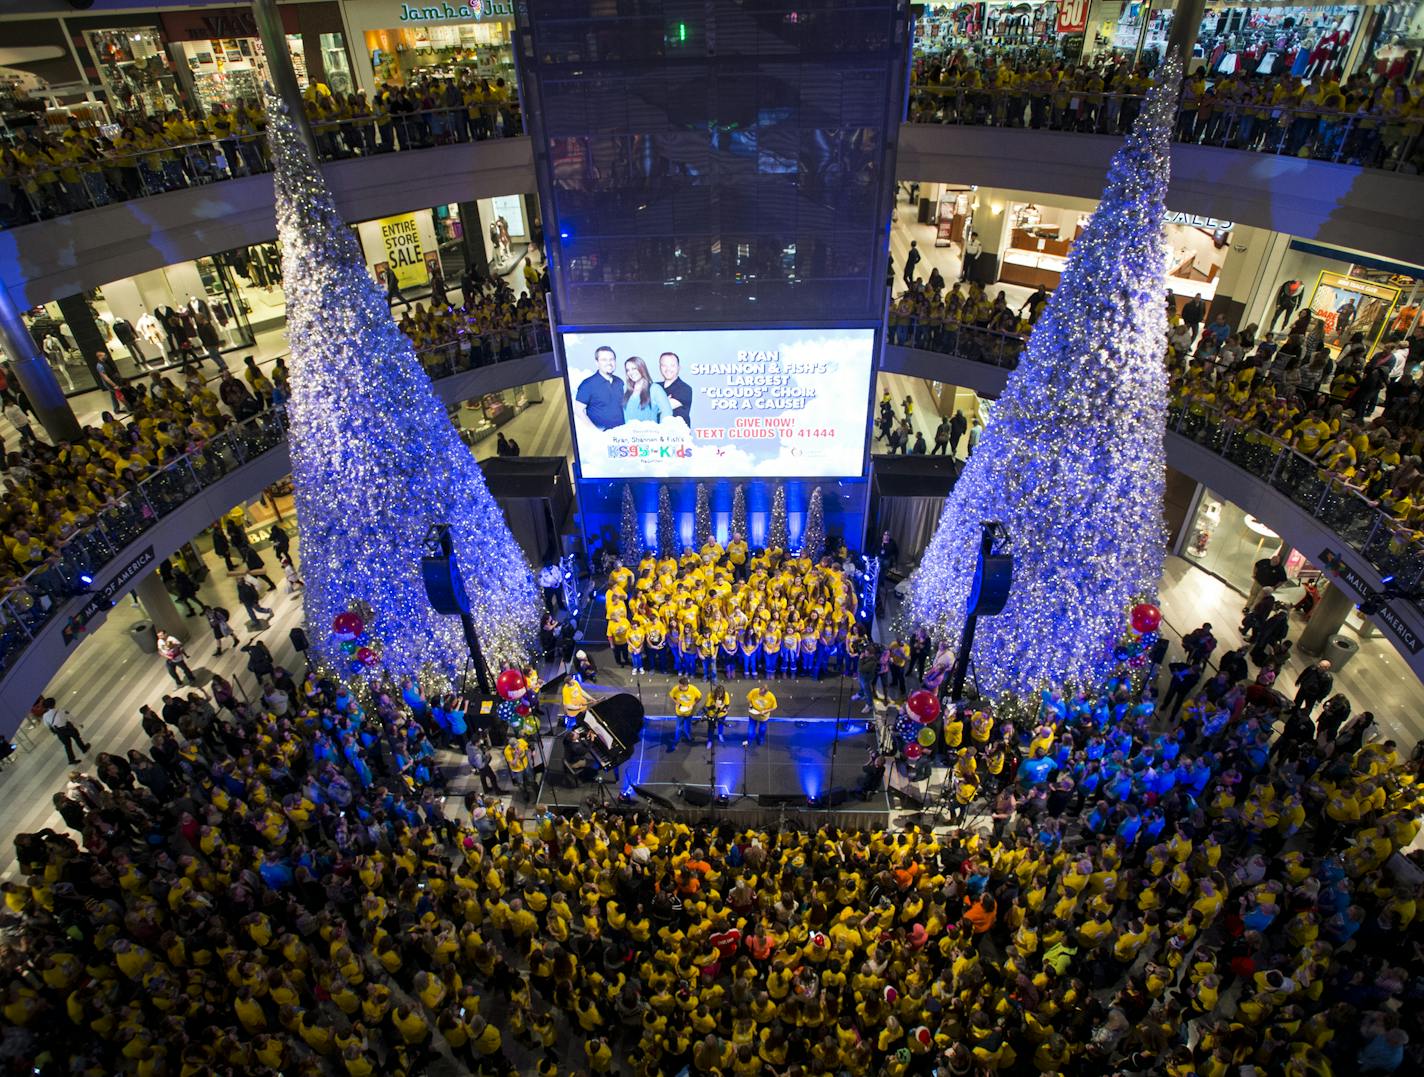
(605, 737)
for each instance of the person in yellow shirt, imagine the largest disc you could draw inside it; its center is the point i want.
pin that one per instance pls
(576, 701)
(516, 758)
(685, 697)
(761, 704)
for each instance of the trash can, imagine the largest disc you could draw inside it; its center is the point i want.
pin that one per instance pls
(144, 636)
(1340, 649)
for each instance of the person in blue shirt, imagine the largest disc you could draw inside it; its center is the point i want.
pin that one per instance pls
(600, 397)
(1037, 770)
(643, 399)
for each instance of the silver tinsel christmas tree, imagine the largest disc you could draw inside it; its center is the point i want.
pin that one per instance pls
(813, 535)
(630, 535)
(375, 459)
(702, 517)
(1072, 464)
(776, 530)
(667, 530)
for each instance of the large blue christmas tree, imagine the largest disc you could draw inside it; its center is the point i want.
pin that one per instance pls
(1072, 462)
(375, 458)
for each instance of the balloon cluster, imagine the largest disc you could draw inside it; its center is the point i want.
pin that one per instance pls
(349, 629)
(1135, 649)
(514, 708)
(921, 709)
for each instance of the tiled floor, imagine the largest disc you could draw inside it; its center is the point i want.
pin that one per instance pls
(1377, 679)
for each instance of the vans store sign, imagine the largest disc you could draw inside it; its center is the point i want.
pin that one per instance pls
(476, 9)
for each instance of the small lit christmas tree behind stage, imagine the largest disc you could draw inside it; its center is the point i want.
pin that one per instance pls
(1072, 463)
(375, 458)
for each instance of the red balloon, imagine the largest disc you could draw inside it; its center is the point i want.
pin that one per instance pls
(923, 705)
(348, 625)
(1146, 617)
(366, 656)
(522, 707)
(913, 751)
(510, 684)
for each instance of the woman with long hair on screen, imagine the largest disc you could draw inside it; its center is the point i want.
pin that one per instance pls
(643, 398)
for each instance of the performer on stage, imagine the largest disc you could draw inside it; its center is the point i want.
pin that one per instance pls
(575, 700)
(761, 702)
(685, 696)
(719, 702)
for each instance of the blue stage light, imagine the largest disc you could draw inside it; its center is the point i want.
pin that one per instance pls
(87, 579)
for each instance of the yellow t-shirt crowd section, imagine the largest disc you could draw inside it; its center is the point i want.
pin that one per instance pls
(1366, 118)
(256, 902)
(60, 170)
(759, 612)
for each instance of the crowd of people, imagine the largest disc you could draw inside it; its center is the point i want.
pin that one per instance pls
(276, 886)
(743, 612)
(1353, 406)
(1365, 118)
(1356, 415)
(488, 325)
(54, 491)
(47, 172)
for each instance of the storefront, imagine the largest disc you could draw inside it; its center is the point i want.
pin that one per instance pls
(148, 63)
(154, 321)
(1347, 291)
(218, 55)
(1040, 237)
(480, 420)
(1262, 39)
(1227, 542)
(1048, 28)
(405, 41)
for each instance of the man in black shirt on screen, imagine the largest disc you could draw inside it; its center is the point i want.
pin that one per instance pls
(679, 393)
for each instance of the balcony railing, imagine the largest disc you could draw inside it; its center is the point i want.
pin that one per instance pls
(1387, 543)
(1368, 138)
(101, 179)
(29, 606)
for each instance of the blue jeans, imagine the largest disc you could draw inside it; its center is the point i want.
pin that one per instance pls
(683, 729)
(756, 731)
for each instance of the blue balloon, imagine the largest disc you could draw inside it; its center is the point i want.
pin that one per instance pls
(358, 667)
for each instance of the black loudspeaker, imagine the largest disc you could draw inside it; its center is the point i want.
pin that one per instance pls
(990, 593)
(699, 796)
(779, 800)
(654, 798)
(443, 586)
(299, 640)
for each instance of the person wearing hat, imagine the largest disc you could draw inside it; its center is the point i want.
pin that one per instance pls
(584, 669)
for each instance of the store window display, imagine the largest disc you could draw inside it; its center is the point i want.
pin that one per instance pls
(1003, 26)
(481, 420)
(1227, 542)
(57, 343)
(134, 70)
(466, 49)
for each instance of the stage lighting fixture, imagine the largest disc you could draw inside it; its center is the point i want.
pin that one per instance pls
(86, 579)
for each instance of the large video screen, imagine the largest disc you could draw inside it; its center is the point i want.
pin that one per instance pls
(720, 402)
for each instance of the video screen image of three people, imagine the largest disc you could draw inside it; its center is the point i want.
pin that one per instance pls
(609, 401)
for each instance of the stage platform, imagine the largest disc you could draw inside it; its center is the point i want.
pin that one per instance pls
(810, 762)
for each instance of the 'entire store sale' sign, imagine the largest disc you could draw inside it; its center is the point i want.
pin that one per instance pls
(401, 238)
